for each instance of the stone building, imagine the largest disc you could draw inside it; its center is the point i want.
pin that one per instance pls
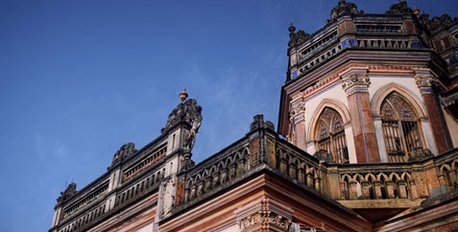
(367, 141)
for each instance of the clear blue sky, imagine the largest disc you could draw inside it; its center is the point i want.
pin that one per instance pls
(79, 78)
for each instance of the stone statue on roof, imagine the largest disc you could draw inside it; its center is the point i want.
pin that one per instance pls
(188, 111)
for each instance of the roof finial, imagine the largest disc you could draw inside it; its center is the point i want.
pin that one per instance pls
(291, 28)
(183, 95)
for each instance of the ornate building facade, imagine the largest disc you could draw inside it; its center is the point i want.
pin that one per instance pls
(367, 140)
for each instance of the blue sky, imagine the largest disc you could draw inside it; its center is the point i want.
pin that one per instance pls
(80, 78)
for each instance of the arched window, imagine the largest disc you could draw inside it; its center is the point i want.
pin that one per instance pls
(400, 128)
(330, 135)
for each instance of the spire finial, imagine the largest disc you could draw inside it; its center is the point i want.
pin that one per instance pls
(291, 28)
(183, 95)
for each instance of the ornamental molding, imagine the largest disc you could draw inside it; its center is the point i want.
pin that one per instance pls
(391, 68)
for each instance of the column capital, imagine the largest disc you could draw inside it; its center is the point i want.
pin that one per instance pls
(355, 83)
(297, 111)
(426, 83)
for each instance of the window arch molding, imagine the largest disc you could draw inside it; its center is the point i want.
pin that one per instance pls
(333, 104)
(387, 89)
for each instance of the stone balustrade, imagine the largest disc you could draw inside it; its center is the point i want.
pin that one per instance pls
(297, 165)
(263, 151)
(226, 168)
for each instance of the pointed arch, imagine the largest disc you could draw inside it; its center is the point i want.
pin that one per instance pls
(401, 125)
(389, 88)
(328, 130)
(330, 103)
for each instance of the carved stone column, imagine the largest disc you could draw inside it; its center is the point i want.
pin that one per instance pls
(427, 82)
(356, 86)
(402, 189)
(365, 187)
(264, 215)
(378, 189)
(353, 191)
(343, 190)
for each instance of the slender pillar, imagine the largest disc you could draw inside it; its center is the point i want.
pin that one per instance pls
(427, 82)
(356, 85)
(297, 120)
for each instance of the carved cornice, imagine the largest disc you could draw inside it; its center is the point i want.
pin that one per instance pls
(356, 83)
(450, 100)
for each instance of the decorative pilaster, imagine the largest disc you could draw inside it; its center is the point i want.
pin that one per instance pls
(297, 122)
(167, 194)
(427, 84)
(356, 85)
(264, 215)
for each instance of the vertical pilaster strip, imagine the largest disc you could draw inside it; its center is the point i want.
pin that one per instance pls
(297, 120)
(356, 85)
(427, 82)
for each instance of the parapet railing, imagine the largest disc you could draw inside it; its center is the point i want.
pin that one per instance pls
(298, 165)
(223, 168)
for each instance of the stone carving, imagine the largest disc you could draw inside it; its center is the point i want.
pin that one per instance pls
(419, 154)
(296, 110)
(167, 196)
(297, 38)
(123, 152)
(69, 191)
(226, 170)
(399, 8)
(355, 82)
(441, 22)
(344, 7)
(264, 219)
(425, 81)
(324, 156)
(193, 116)
(188, 112)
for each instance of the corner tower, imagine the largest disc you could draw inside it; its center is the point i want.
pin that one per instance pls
(367, 88)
